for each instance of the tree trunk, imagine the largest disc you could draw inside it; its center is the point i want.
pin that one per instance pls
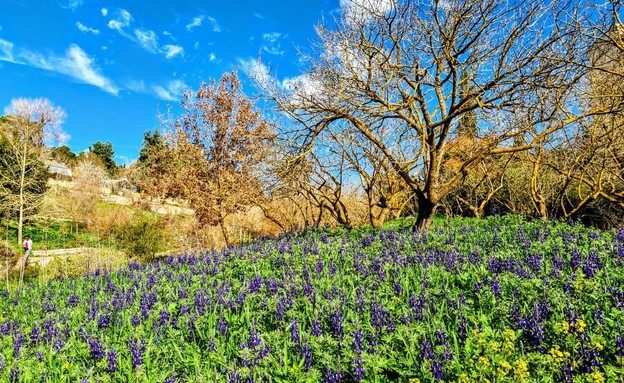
(426, 211)
(226, 237)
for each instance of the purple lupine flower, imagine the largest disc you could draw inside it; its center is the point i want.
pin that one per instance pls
(164, 318)
(234, 377)
(112, 361)
(18, 342)
(332, 377)
(2, 363)
(137, 348)
(575, 259)
(358, 341)
(35, 335)
(427, 350)
(222, 326)
(358, 370)
(496, 289)
(72, 300)
(462, 328)
(39, 355)
(437, 370)
(336, 325)
(104, 321)
(306, 352)
(294, 332)
(316, 328)
(95, 349)
(14, 375)
(619, 345)
(136, 321)
(254, 339)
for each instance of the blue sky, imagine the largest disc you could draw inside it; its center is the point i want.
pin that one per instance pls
(110, 64)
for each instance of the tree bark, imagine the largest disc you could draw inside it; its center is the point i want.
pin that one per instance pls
(426, 212)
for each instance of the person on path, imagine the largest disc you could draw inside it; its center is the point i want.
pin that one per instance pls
(27, 248)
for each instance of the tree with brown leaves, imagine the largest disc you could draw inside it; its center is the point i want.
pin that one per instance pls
(211, 152)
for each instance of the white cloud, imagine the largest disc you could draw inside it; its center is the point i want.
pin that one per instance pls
(170, 35)
(122, 21)
(135, 85)
(363, 10)
(74, 63)
(215, 25)
(147, 39)
(6, 51)
(197, 21)
(73, 4)
(171, 51)
(212, 57)
(0, 28)
(170, 92)
(85, 29)
(196, 46)
(104, 12)
(272, 43)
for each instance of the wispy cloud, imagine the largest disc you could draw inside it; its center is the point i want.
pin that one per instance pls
(171, 51)
(172, 91)
(215, 24)
(258, 15)
(104, 11)
(75, 63)
(121, 22)
(272, 44)
(212, 58)
(73, 4)
(147, 39)
(359, 10)
(85, 29)
(197, 21)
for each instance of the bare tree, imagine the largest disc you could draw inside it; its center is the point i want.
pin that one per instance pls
(424, 66)
(27, 126)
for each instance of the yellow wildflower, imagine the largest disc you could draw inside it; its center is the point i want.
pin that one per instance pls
(598, 377)
(503, 369)
(580, 325)
(495, 346)
(66, 366)
(414, 380)
(395, 298)
(599, 346)
(564, 327)
(463, 378)
(509, 334)
(521, 369)
(509, 347)
(557, 355)
(484, 361)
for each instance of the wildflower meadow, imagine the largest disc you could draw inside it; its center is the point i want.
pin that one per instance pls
(492, 300)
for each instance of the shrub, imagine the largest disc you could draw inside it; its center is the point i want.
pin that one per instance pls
(142, 237)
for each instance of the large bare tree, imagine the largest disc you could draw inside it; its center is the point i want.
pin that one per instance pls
(426, 66)
(25, 129)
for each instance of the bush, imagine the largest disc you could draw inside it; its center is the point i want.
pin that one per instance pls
(143, 237)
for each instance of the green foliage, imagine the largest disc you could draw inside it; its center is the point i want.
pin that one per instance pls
(152, 144)
(498, 299)
(63, 154)
(142, 237)
(105, 153)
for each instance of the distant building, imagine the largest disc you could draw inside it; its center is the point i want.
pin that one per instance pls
(57, 169)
